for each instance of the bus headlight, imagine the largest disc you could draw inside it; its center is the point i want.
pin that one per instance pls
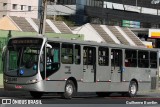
(33, 81)
(5, 80)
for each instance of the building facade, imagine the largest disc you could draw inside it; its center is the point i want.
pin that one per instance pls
(61, 7)
(20, 8)
(127, 13)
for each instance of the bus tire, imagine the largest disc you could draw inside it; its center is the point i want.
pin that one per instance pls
(69, 90)
(132, 89)
(36, 95)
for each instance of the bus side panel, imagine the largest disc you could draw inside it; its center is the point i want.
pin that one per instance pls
(140, 74)
(54, 86)
(154, 78)
(131, 73)
(66, 71)
(103, 73)
(103, 87)
(144, 86)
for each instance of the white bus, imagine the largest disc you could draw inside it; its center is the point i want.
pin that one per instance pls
(40, 65)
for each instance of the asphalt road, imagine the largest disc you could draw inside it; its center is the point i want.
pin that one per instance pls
(145, 98)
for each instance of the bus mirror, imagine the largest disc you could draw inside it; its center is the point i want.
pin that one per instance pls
(48, 46)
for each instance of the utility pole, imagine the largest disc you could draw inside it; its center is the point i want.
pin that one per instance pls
(43, 17)
(55, 2)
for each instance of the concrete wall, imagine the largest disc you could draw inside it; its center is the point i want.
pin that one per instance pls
(8, 10)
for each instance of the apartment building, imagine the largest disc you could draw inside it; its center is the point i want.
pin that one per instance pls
(20, 8)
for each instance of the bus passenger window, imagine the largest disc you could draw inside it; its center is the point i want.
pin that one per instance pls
(116, 59)
(153, 59)
(67, 54)
(143, 59)
(130, 58)
(55, 53)
(49, 57)
(85, 57)
(103, 55)
(88, 56)
(77, 54)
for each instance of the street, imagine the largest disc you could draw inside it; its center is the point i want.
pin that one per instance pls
(151, 98)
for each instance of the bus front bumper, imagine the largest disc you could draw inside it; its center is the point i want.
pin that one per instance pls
(42, 86)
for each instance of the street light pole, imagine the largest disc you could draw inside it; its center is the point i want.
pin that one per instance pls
(43, 18)
(55, 2)
(45, 14)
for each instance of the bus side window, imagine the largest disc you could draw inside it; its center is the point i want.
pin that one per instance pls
(77, 54)
(49, 59)
(55, 53)
(85, 57)
(103, 54)
(130, 58)
(116, 59)
(153, 60)
(143, 59)
(67, 54)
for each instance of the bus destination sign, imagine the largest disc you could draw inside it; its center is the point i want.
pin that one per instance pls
(26, 41)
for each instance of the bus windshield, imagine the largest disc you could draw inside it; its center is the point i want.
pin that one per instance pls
(22, 59)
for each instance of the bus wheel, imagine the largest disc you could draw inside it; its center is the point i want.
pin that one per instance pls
(36, 95)
(69, 90)
(132, 89)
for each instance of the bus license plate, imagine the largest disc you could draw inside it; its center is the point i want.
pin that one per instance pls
(18, 87)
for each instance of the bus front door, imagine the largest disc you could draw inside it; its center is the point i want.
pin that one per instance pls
(116, 65)
(89, 64)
